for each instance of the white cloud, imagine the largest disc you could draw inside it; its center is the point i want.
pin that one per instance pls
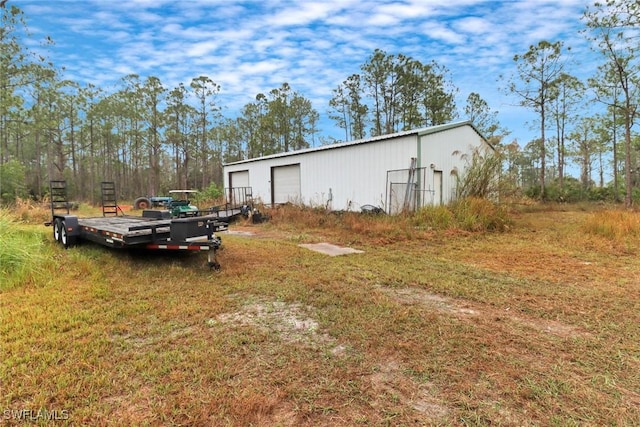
(202, 48)
(254, 46)
(300, 14)
(474, 25)
(438, 31)
(399, 12)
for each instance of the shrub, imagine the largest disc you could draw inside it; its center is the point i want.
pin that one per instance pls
(12, 179)
(574, 191)
(212, 194)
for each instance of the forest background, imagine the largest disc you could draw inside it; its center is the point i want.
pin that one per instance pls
(149, 138)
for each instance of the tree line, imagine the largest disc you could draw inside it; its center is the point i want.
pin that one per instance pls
(149, 138)
(599, 142)
(142, 135)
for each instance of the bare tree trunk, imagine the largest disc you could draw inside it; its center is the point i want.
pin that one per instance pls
(543, 154)
(628, 201)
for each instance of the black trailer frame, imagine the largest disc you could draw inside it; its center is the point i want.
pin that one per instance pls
(116, 230)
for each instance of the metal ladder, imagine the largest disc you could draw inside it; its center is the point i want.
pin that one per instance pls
(109, 203)
(58, 192)
(410, 190)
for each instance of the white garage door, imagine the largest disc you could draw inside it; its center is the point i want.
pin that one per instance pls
(239, 179)
(239, 192)
(286, 184)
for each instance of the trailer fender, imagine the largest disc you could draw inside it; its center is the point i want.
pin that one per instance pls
(71, 225)
(65, 229)
(70, 222)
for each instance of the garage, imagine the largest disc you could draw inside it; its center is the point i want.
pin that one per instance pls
(402, 171)
(285, 184)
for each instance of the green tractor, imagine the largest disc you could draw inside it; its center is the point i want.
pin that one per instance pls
(180, 206)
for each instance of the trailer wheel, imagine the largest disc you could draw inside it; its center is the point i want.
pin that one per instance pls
(66, 240)
(57, 225)
(142, 203)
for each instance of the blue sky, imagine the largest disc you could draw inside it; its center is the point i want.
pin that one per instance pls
(248, 47)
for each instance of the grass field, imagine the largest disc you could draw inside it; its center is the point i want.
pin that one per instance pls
(536, 325)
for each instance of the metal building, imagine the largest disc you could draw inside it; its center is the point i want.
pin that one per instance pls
(396, 172)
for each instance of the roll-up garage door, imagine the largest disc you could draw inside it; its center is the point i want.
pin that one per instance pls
(239, 190)
(239, 179)
(285, 181)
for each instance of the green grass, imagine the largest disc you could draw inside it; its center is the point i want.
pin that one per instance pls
(21, 252)
(535, 326)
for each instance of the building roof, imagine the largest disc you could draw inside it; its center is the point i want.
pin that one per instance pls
(419, 132)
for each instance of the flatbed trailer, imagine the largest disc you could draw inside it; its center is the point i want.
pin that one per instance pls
(239, 202)
(116, 230)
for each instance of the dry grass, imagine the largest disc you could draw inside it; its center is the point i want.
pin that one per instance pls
(30, 212)
(615, 225)
(538, 325)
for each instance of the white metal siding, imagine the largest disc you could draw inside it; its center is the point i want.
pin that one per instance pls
(347, 178)
(286, 184)
(351, 175)
(437, 188)
(449, 152)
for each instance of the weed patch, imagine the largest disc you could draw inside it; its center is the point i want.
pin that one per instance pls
(29, 212)
(21, 253)
(616, 225)
(470, 215)
(475, 214)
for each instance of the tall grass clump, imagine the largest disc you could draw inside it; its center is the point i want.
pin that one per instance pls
(295, 216)
(477, 214)
(385, 227)
(31, 212)
(435, 217)
(468, 214)
(615, 225)
(20, 252)
(481, 178)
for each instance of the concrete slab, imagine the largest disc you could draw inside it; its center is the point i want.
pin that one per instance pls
(329, 249)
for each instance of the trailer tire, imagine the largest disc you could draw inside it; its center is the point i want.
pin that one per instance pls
(66, 240)
(142, 203)
(57, 227)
